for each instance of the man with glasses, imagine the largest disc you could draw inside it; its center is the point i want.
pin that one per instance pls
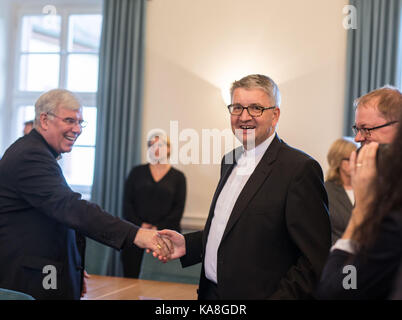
(42, 221)
(376, 120)
(268, 233)
(377, 115)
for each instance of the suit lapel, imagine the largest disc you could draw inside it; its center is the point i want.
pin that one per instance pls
(257, 178)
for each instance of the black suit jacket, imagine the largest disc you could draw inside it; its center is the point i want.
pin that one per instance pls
(42, 222)
(375, 271)
(278, 235)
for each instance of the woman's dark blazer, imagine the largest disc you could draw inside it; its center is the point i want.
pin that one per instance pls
(340, 208)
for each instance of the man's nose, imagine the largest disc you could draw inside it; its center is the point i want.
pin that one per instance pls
(244, 116)
(77, 128)
(359, 137)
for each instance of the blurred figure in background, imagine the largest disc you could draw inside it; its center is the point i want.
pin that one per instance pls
(338, 185)
(28, 126)
(154, 198)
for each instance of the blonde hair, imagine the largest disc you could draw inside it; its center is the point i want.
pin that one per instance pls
(340, 150)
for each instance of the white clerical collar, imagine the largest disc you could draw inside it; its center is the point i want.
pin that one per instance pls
(259, 150)
(250, 158)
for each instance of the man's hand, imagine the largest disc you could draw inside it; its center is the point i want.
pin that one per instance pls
(363, 170)
(177, 239)
(152, 241)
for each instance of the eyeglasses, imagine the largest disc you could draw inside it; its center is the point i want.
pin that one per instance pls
(254, 110)
(367, 131)
(70, 121)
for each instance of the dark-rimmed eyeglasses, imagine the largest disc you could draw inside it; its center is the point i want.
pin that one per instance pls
(70, 121)
(254, 110)
(367, 131)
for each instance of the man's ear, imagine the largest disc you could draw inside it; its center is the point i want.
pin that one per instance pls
(44, 119)
(276, 114)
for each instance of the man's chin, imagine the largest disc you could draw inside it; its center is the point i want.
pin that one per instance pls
(67, 149)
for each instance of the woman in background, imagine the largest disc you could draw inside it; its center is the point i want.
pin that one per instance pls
(339, 187)
(154, 198)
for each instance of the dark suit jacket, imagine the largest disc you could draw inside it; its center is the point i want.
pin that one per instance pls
(42, 222)
(375, 271)
(278, 235)
(340, 209)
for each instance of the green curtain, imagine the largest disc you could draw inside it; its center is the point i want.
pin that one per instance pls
(119, 103)
(373, 51)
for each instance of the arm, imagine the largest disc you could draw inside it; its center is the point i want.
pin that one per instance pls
(381, 259)
(309, 227)
(41, 184)
(375, 271)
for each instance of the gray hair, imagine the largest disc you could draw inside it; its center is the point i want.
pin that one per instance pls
(259, 81)
(51, 100)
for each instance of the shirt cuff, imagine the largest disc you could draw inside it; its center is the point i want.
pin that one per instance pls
(347, 245)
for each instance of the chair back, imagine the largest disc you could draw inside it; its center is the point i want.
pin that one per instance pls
(6, 294)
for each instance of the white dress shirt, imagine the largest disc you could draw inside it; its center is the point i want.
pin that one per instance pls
(242, 171)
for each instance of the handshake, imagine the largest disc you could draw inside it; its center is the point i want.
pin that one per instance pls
(165, 244)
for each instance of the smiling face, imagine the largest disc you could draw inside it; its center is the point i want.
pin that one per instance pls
(60, 135)
(250, 130)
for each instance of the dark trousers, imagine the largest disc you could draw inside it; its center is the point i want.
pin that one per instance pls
(131, 259)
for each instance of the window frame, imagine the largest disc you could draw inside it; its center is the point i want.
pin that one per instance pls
(17, 98)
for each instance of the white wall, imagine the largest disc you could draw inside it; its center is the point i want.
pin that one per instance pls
(195, 49)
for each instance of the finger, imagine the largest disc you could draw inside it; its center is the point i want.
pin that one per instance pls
(166, 233)
(371, 155)
(161, 247)
(361, 156)
(169, 244)
(352, 163)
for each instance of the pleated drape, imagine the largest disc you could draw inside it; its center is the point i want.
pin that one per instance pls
(373, 51)
(119, 103)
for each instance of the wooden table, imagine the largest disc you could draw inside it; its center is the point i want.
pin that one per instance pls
(115, 288)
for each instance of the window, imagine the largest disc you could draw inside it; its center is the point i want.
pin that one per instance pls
(60, 51)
